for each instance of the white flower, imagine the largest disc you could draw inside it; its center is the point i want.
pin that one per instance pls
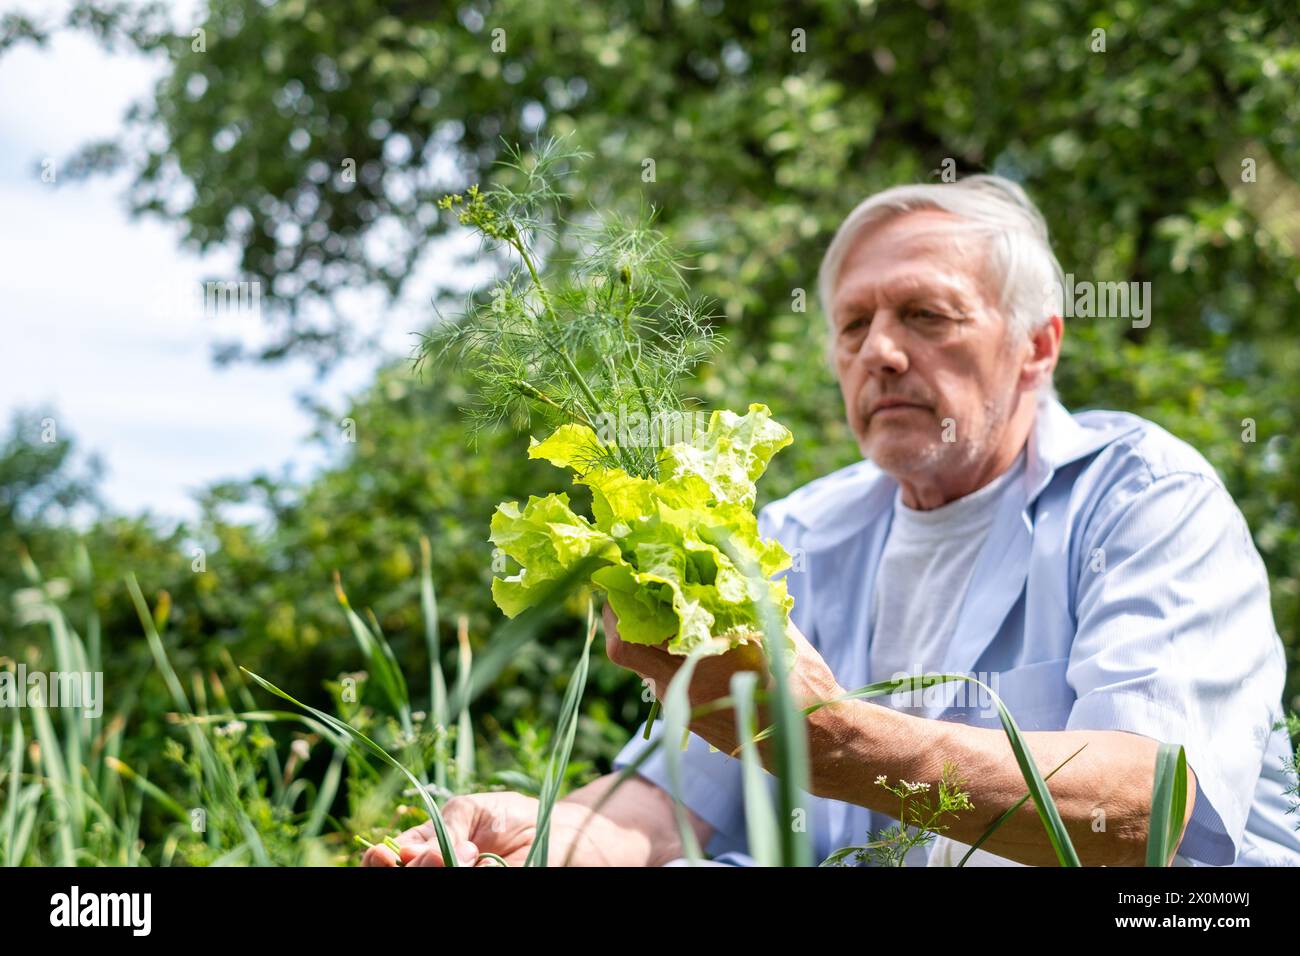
(231, 729)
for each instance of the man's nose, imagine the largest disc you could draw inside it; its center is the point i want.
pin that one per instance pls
(881, 349)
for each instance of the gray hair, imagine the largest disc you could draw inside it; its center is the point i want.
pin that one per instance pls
(1020, 259)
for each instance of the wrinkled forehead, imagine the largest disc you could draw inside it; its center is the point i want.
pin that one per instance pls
(926, 251)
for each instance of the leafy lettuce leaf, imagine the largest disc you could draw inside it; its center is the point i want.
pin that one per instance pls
(665, 569)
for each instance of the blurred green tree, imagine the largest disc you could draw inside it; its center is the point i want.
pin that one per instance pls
(1160, 144)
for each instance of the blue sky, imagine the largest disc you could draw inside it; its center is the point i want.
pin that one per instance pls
(88, 304)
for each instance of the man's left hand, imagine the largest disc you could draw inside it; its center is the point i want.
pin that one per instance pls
(810, 679)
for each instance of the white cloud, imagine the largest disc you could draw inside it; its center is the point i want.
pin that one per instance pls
(87, 295)
(79, 304)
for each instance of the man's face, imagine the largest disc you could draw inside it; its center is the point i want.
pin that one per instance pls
(925, 364)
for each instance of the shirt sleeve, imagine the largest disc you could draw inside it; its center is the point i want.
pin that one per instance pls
(1175, 641)
(711, 781)
(711, 785)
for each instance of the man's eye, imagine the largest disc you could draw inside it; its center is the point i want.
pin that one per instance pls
(854, 325)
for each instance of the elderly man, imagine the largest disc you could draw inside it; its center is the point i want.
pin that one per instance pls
(1091, 568)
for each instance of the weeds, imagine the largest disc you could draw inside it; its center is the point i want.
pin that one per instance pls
(919, 818)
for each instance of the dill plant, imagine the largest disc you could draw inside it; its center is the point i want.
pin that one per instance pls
(606, 337)
(594, 351)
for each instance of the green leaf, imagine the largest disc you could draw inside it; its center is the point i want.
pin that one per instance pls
(566, 731)
(1168, 804)
(665, 575)
(548, 539)
(760, 819)
(731, 455)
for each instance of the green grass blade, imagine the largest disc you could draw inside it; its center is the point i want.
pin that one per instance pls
(216, 774)
(266, 716)
(562, 748)
(174, 687)
(401, 691)
(271, 757)
(433, 646)
(75, 728)
(650, 718)
(69, 658)
(379, 658)
(354, 735)
(760, 819)
(626, 774)
(325, 795)
(1168, 804)
(637, 762)
(1011, 811)
(145, 786)
(401, 697)
(651, 748)
(506, 642)
(1047, 810)
(790, 751)
(86, 579)
(129, 841)
(54, 771)
(234, 858)
(29, 806)
(464, 725)
(12, 788)
(677, 718)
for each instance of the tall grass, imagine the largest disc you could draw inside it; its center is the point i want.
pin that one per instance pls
(377, 654)
(223, 795)
(69, 797)
(64, 802)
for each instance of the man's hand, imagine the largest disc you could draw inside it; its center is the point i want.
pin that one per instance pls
(811, 681)
(505, 824)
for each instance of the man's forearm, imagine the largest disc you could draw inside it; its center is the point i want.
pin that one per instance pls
(853, 742)
(642, 814)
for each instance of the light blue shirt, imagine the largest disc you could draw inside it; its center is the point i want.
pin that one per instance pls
(1118, 589)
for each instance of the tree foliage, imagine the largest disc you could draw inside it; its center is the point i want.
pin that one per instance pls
(1159, 142)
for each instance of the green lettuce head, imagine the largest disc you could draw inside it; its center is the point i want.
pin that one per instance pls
(661, 546)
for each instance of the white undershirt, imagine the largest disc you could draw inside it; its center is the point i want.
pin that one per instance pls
(924, 572)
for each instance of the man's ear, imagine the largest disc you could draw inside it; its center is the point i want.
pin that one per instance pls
(1045, 349)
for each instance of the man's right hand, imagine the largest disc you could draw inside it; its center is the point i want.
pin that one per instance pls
(505, 823)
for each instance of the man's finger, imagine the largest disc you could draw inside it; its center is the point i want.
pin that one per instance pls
(414, 851)
(379, 856)
(426, 857)
(422, 833)
(645, 659)
(459, 815)
(466, 854)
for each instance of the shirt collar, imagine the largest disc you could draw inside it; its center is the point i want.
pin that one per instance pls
(864, 492)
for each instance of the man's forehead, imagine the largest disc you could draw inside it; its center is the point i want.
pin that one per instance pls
(921, 251)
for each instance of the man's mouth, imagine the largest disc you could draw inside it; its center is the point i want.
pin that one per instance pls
(895, 409)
